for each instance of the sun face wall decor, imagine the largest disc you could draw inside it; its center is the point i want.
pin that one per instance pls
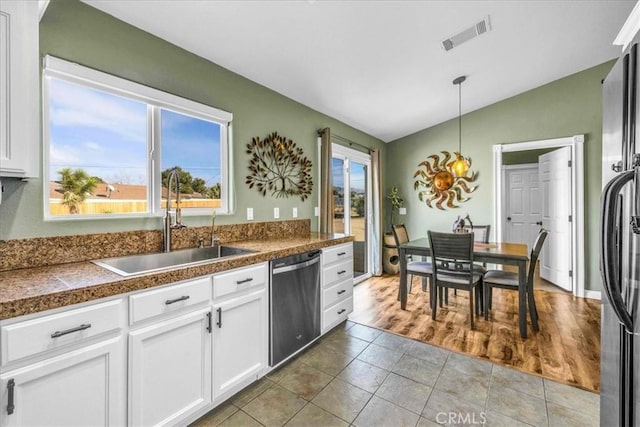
(278, 166)
(436, 184)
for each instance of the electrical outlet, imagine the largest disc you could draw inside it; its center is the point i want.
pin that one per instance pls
(276, 213)
(402, 211)
(316, 211)
(295, 212)
(249, 214)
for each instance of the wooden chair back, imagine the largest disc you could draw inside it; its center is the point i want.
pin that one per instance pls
(452, 253)
(400, 234)
(480, 232)
(535, 253)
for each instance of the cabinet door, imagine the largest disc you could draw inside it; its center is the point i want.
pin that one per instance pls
(85, 387)
(19, 89)
(239, 342)
(170, 369)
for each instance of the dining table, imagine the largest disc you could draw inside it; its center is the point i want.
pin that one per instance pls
(492, 252)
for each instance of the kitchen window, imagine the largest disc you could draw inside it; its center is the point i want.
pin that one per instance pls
(110, 142)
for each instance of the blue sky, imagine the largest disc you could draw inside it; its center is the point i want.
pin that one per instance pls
(106, 135)
(202, 139)
(357, 175)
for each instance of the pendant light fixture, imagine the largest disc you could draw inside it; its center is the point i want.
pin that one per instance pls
(460, 166)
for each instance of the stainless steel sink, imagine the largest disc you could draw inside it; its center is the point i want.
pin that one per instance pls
(137, 264)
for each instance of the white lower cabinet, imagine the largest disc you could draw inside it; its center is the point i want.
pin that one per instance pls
(337, 285)
(240, 338)
(191, 345)
(85, 387)
(170, 369)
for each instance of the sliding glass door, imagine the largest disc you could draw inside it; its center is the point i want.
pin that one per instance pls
(351, 171)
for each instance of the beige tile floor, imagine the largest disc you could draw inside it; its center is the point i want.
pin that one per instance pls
(361, 376)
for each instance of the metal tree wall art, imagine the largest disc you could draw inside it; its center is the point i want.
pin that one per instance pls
(435, 182)
(278, 166)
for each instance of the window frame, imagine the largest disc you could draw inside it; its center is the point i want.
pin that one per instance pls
(155, 100)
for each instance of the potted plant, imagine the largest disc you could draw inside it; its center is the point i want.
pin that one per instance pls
(396, 202)
(390, 251)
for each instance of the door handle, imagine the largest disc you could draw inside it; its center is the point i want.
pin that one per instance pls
(609, 259)
(635, 217)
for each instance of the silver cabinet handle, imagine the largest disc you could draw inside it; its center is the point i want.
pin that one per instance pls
(219, 322)
(341, 253)
(10, 405)
(182, 298)
(240, 282)
(342, 292)
(82, 327)
(209, 327)
(342, 272)
(342, 311)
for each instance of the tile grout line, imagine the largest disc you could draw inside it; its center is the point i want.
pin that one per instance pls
(546, 402)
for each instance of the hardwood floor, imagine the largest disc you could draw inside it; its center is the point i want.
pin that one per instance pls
(566, 349)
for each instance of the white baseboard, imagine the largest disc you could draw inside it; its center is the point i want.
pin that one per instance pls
(592, 294)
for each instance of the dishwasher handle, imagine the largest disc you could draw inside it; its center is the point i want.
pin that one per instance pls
(298, 266)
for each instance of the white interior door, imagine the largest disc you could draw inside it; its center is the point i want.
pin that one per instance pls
(523, 206)
(555, 179)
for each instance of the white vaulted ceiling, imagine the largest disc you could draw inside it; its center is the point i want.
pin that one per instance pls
(379, 66)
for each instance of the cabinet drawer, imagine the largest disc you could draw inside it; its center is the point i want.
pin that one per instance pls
(337, 253)
(336, 314)
(169, 299)
(336, 293)
(59, 330)
(239, 280)
(337, 273)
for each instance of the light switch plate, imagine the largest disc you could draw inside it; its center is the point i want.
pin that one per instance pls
(276, 213)
(402, 211)
(249, 214)
(316, 211)
(295, 212)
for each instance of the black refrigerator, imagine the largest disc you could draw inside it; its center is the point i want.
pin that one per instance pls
(620, 245)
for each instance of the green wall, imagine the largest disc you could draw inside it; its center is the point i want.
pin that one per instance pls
(569, 106)
(76, 32)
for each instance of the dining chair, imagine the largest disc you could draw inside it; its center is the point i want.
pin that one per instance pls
(480, 232)
(414, 268)
(509, 280)
(480, 235)
(452, 260)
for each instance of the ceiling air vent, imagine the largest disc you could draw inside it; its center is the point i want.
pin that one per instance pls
(466, 35)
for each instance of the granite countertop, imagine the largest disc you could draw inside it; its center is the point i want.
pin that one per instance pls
(31, 290)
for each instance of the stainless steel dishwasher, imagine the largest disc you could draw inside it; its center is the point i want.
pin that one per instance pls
(294, 304)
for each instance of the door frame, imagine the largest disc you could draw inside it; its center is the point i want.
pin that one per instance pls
(576, 142)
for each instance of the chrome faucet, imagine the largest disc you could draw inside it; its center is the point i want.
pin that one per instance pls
(173, 176)
(214, 240)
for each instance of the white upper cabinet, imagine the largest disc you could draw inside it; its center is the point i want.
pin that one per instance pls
(19, 89)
